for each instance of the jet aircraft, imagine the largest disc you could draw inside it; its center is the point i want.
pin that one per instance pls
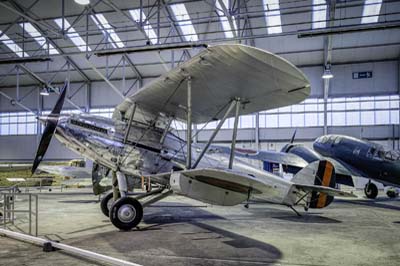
(138, 142)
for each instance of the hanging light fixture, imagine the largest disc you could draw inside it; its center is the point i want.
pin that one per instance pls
(82, 2)
(44, 92)
(327, 73)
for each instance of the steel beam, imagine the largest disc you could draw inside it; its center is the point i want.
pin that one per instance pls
(332, 30)
(44, 83)
(119, 93)
(32, 20)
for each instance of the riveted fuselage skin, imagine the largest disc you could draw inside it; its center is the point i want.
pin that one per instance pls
(368, 158)
(101, 140)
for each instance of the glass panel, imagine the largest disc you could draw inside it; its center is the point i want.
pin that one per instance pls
(367, 118)
(382, 117)
(272, 120)
(284, 120)
(311, 119)
(319, 14)
(297, 120)
(352, 118)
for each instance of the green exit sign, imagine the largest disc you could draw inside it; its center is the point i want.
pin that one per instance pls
(362, 75)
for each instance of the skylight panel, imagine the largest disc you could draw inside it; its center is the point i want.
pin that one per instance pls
(184, 22)
(151, 34)
(224, 19)
(319, 14)
(12, 45)
(272, 16)
(107, 29)
(35, 34)
(73, 35)
(371, 11)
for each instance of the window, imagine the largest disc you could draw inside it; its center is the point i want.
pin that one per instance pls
(272, 16)
(18, 123)
(319, 14)
(107, 30)
(371, 11)
(151, 34)
(73, 35)
(226, 26)
(35, 34)
(186, 26)
(12, 45)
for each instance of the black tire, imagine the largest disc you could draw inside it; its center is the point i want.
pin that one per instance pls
(391, 194)
(126, 213)
(371, 190)
(106, 202)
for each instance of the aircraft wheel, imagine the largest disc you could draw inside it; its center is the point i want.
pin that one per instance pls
(106, 203)
(392, 193)
(371, 190)
(126, 213)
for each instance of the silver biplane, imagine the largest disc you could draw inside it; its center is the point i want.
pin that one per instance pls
(138, 142)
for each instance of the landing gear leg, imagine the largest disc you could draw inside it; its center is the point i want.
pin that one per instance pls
(371, 190)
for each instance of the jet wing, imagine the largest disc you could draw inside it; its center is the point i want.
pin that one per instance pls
(220, 74)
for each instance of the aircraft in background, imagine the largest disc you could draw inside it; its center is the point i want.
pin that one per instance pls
(350, 156)
(138, 143)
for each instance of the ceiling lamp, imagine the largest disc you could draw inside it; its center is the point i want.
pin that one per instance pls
(82, 2)
(44, 92)
(327, 73)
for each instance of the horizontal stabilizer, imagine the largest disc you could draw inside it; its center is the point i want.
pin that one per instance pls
(327, 190)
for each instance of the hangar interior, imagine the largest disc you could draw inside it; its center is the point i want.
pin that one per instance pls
(106, 50)
(43, 43)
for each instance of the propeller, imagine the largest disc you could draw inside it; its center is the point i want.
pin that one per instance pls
(293, 136)
(51, 124)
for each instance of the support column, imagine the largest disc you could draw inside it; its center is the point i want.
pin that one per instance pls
(257, 132)
(189, 124)
(326, 91)
(234, 134)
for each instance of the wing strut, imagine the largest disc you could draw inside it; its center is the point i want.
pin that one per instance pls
(221, 122)
(189, 124)
(234, 134)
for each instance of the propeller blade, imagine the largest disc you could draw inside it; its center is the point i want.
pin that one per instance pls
(51, 125)
(293, 136)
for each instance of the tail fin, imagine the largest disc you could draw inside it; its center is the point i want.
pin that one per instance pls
(316, 175)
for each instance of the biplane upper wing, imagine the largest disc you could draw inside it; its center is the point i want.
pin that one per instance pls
(218, 75)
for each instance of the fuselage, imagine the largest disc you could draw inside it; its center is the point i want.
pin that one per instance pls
(102, 141)
(367, 158)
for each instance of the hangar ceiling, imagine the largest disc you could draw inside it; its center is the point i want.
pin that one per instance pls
(35, 29)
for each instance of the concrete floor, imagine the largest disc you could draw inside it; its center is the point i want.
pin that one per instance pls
(180, 231)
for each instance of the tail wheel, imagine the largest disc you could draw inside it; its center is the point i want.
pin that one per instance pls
(371, 190)
(106, 203)
(126, 213)
(392, 193)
